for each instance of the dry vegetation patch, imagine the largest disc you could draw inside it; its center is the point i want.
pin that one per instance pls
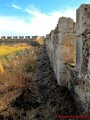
(17, 65)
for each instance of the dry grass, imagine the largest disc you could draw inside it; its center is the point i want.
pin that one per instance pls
(5, 49)
(40, 40)
(11, 81)
(14, 70)
(1, 68)
(17, 72)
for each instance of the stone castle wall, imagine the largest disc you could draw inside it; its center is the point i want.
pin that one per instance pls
(17, 37)
(61, 47)
(82, 89)
(69, 44)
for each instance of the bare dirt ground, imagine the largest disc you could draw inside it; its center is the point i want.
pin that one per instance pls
(41, 98)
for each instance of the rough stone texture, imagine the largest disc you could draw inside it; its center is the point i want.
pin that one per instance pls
(60, 43)
(83, 36)
(82, 90)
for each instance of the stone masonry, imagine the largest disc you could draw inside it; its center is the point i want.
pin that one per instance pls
(69, 44)
(83, 39)
(60, 43)
(82, 90)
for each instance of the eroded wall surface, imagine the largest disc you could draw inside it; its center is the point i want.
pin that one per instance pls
(61, 48)
(82, 89)
(69, 44)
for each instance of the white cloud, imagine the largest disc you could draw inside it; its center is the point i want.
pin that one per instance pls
(16, 6)
(12, 26)
(39, 24)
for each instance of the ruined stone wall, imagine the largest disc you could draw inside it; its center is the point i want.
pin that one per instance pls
(83, 39)
(82, 89)
(18, 39)
(61, 47)
(15, 38)
(65, 45)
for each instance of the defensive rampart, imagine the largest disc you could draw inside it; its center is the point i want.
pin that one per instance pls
(68, 48)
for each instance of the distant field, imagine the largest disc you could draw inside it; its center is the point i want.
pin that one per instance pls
(6, 49)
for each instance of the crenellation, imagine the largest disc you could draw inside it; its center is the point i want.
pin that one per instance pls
(27, 37)
(3, 38)
(15, 37)
(19, 37)
(9, 37)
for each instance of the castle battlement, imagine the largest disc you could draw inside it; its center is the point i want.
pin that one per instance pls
(18, 37)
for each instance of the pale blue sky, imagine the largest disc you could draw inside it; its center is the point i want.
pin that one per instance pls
(34, 17)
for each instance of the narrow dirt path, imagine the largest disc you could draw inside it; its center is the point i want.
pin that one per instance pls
(45, 99)
(56, 100)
